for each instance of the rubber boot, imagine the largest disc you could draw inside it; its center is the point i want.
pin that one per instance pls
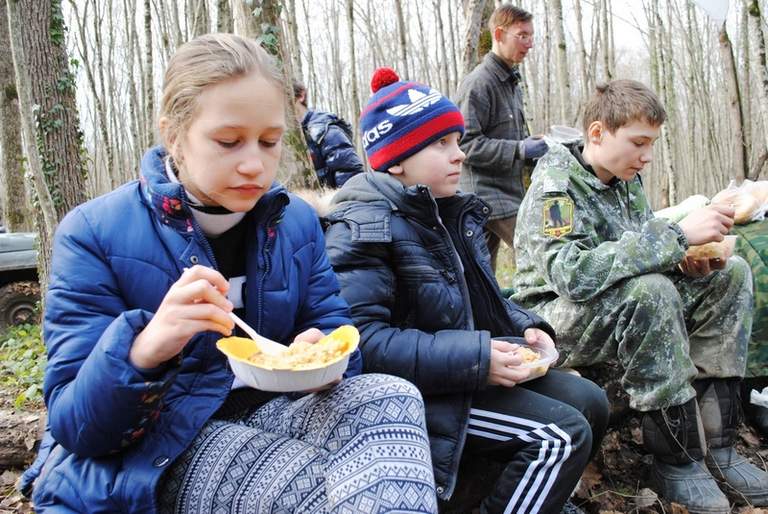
(720, 404)
(675, 438)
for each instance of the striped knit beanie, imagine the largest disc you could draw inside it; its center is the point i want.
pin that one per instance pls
(401, 118)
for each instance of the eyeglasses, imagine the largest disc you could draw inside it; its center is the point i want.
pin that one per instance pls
(523, 38)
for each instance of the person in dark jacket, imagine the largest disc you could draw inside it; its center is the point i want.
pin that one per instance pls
(497, 142)
(330, 142)
(144, 413)
(413, 264)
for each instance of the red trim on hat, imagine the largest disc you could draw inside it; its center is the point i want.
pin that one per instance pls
(385, 98)
(415, 137)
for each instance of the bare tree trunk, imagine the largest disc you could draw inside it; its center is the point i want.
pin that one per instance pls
(13, 197)
(662, 168)
(165, 33)
(564, 87)
(581, 52)
(426, 72)
(44, 80)
(734, 103)
(443, 63)
(132, 58)
(149, 79)
(607, 63)
(670, 100)
(102, 119)
(293, 37)
(761, 161)
(336, 62)
(353, 66)
(547, 97)
(175, 19)
(759, 57)
(310, 52)
(473, 16)
(746, 96)
(402, 31)
(295, 168)
(198, 18)
(454, 50)
(224, 20)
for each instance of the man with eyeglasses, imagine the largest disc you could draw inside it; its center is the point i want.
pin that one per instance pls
(497, 143)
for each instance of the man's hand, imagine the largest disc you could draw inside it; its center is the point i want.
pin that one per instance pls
(533, 147)
(707, 224)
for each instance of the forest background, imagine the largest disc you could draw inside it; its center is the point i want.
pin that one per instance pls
(80, 83)
(81, 80)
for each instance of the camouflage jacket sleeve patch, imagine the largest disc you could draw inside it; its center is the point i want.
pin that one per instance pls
(557, 216)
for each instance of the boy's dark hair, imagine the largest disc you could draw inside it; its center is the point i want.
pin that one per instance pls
(620, 102)
(298, 90)
(507, 14)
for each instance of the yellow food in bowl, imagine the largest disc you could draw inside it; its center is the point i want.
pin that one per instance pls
(528, 355)
(300, 355)
(303, 355)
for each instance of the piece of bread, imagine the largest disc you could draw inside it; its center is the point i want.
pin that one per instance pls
(743, 203)
(760, 191)
(715, 250)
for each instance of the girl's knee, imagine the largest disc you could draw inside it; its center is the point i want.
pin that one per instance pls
(388, 384)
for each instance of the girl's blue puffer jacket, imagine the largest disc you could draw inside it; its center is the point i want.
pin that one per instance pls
(113, 429)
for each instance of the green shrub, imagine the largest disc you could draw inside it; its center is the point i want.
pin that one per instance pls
(22, 363)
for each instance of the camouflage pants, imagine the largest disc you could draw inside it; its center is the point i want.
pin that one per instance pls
(665, 330)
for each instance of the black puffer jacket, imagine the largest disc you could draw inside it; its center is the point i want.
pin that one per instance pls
(400, 272)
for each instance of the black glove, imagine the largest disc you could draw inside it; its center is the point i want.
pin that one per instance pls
(532, 147)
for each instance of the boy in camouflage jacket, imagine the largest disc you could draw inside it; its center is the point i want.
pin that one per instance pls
(616, 284)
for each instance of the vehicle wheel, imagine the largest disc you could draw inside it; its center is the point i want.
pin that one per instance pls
(18, 303)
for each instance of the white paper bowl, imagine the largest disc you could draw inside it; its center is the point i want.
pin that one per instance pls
(238, 350)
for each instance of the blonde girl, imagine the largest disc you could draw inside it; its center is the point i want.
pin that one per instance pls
(144, 413)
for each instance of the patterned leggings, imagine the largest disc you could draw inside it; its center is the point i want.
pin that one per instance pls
(362, 446)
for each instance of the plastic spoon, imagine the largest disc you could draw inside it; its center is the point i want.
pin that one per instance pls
(266, 345)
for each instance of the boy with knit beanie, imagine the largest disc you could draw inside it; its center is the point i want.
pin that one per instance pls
(410, 255)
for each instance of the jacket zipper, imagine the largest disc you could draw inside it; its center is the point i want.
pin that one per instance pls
(455, 255)
(270, 236)
(200, 235)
